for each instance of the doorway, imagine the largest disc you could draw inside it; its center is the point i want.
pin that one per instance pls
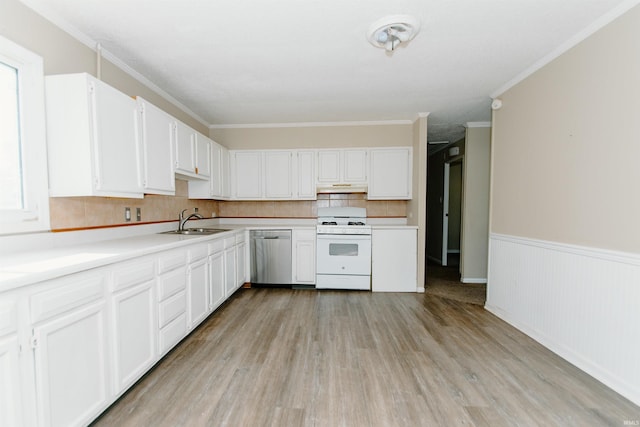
(452, 212)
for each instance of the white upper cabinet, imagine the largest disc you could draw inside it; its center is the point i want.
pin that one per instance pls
(219, 171)
(390, 173)
(94, 147)
(344, 166)
(192, 153)
(278, 174)
(217, 187)
(246, 175)
(202, 146)
(273, 174)
(354, 166)
(185, 160)
(156, 130)
(305, 175)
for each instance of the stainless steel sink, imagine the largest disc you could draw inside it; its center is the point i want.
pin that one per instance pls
(196, 231)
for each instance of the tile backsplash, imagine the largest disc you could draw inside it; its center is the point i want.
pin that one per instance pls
(86, 212)
(309, 209)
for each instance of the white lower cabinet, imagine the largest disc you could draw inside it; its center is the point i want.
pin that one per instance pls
(197, 286)
(11, 390)
(229, 266)
(241, 259)
(394, 260)
(71, 353)
(304, 256)
(172, 299)
(134, 333)
(10, 382)
(216, 278)
(69, 347)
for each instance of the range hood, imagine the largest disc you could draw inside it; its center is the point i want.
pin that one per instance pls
(341, 188)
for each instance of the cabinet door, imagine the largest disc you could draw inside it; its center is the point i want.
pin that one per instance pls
(216, 279)
(306, 175)
(134, 333)
(229, 271)
(304, 256)
(197, 292)
(354, 166)
(226, 174)
(394, 260)
(185, 160)
(117, 145)
(278, 168)
(202, 146)
(10, 382)
(241, 267)
(390, 173)
(247, 174)
(156, 128)
(216, 170)
(71, 366)
(329, 168)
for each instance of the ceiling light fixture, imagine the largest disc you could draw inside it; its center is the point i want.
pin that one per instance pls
(389, 32)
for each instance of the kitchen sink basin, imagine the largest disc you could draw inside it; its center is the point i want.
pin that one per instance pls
(196, 231)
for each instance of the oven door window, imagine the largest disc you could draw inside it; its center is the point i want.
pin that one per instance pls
(343, 249)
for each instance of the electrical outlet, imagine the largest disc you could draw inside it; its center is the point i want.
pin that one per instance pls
(138, 214)
(195, 210)
(127, 214)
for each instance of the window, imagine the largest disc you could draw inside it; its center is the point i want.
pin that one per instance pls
(24, 204)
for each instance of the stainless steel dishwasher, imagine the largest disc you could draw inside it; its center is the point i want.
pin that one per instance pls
(270, 257)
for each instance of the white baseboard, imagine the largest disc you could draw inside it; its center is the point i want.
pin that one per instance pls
(473, 280)
(579, 302)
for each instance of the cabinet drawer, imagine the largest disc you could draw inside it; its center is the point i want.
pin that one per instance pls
(133, 273)
(172, 283)
(240, 237)
(216, 246)
(304, 234)
(197, 252)
(229, 242)
(172, 308)
(171, 334)
(8, 316)
(69, 293)
(171, 261)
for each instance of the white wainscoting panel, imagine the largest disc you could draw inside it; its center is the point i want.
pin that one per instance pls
(581, 303)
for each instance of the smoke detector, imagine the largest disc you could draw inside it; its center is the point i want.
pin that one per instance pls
(391, 31)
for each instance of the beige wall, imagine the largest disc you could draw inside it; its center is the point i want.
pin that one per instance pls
(417, 207)
(383, 135)
(566, 146)
(475, 204)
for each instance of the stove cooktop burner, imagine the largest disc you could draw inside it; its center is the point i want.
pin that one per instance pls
(355, 223)
(329, 223)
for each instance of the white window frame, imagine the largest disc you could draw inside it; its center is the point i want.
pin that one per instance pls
(35, 214)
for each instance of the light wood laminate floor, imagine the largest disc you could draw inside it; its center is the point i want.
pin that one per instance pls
(280, 357)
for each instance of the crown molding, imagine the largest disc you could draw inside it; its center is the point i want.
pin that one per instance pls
(312, 124)
(47, 13)
(596, 25)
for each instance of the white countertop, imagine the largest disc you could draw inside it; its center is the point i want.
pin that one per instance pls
(31, 259)
(34, 266)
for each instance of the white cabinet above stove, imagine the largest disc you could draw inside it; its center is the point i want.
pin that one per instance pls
(343, 167)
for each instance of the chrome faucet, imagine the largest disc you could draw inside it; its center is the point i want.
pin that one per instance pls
(184, 220)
